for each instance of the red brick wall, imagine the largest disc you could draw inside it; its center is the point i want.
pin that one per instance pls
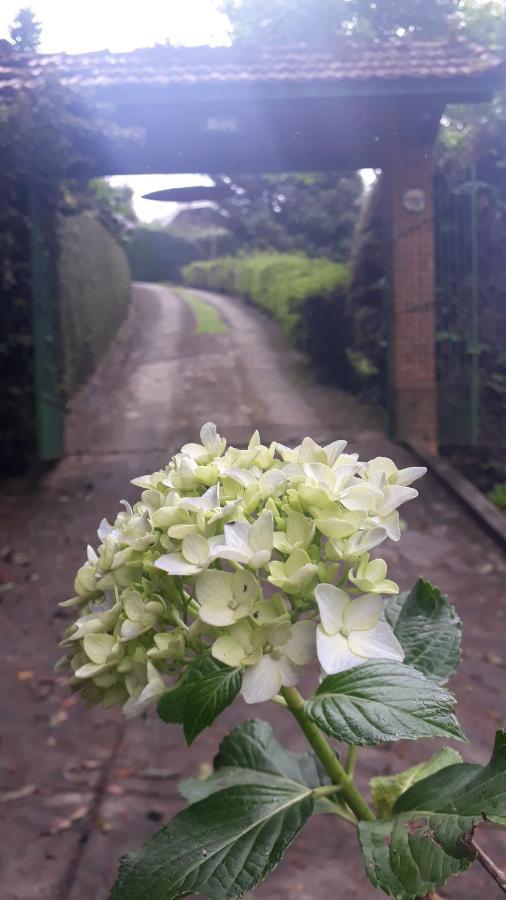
(411, 251)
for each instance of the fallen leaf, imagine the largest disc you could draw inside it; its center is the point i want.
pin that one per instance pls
(18, 793)
(20, 559)
(64, 824)
(494, 658)
(25, 675)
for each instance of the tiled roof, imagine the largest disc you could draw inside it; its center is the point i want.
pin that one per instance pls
(177, 66)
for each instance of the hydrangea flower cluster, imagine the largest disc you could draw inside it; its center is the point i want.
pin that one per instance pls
(260, 557)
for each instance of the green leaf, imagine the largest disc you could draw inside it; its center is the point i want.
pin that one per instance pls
(385, 789)
(208, 698)
(247, 755)
(417, 850)
(205, 690)
(428, 629)
(382, 701)
(220, 847)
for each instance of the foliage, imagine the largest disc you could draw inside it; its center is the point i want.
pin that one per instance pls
(498, 496)
(318, 21)
(112, 205)
(157, 255)
(25, 31)
(428, 628)
(176, 608)
(48, 136)
(314, 213)
(94, 290)
(306, 296)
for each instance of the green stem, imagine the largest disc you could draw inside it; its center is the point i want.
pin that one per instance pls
(351, 760)
(327, 757)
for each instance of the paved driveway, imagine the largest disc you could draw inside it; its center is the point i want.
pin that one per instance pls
(76, 788)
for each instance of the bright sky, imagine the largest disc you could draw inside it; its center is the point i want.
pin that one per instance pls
(79, 26)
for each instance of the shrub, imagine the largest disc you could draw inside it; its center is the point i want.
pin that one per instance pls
(306, 296)
(156, 255)
(94, 290)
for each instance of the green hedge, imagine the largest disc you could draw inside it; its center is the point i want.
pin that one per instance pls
(306, 296)
(94, 291)
(155, 255)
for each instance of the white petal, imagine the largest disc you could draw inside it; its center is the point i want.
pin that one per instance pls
(332, 601)
(261, 681)
(214, 588)
(412, 473)
(334, 451)
(236, 538)
(227, 650)
(261, 533)
(244, 586)
(131, 630)
(363, 613)
(392, 526)
(220, 616)
(195, 550)
(394, 495)
(176, 564)
(378, 643)
(334, 652)
(242, 476)
(288, 671)
(369, 539)
(208, 433)
(376, 570)
(301, 646)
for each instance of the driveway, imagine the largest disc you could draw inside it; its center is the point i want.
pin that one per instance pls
(79, 788)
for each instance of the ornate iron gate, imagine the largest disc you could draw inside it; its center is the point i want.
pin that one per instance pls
(457, 307)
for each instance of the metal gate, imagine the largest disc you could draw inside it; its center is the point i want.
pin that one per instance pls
(49, 399)
(457, 307)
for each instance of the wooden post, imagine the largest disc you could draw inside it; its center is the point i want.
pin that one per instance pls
(409, 217)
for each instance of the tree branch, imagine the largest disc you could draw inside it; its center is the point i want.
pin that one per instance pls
(488, 864)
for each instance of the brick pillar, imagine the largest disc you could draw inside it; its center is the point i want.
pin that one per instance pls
(409, 217)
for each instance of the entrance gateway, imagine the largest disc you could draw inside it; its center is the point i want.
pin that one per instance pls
(351, 105)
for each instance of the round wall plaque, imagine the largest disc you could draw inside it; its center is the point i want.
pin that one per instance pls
(414, 200)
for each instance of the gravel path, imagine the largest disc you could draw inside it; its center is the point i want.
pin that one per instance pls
(76, 788)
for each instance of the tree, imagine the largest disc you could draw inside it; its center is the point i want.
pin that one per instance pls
(313, 212)
(317, 21)
(25, 31)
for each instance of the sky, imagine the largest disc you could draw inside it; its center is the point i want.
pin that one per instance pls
(79, 26)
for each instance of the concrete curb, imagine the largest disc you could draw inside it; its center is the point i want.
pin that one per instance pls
(488, 516)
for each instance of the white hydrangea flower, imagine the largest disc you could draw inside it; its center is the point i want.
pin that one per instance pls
(250, 545)
(298, 535)
(188, 569)
(225, 597)
(197, 554)
(293, 575)
(369, 576)
(286, 649)
(350, 631)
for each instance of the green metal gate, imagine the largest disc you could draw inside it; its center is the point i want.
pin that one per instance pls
(47, 362)
(457, 307)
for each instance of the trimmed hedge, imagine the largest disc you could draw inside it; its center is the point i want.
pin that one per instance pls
(306, 296)
(94, 291)
(155, 255)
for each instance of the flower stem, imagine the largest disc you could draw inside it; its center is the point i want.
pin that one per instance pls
(324, 752)
(351, 760)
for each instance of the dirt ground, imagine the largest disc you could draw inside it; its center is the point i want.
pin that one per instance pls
(79, 788)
